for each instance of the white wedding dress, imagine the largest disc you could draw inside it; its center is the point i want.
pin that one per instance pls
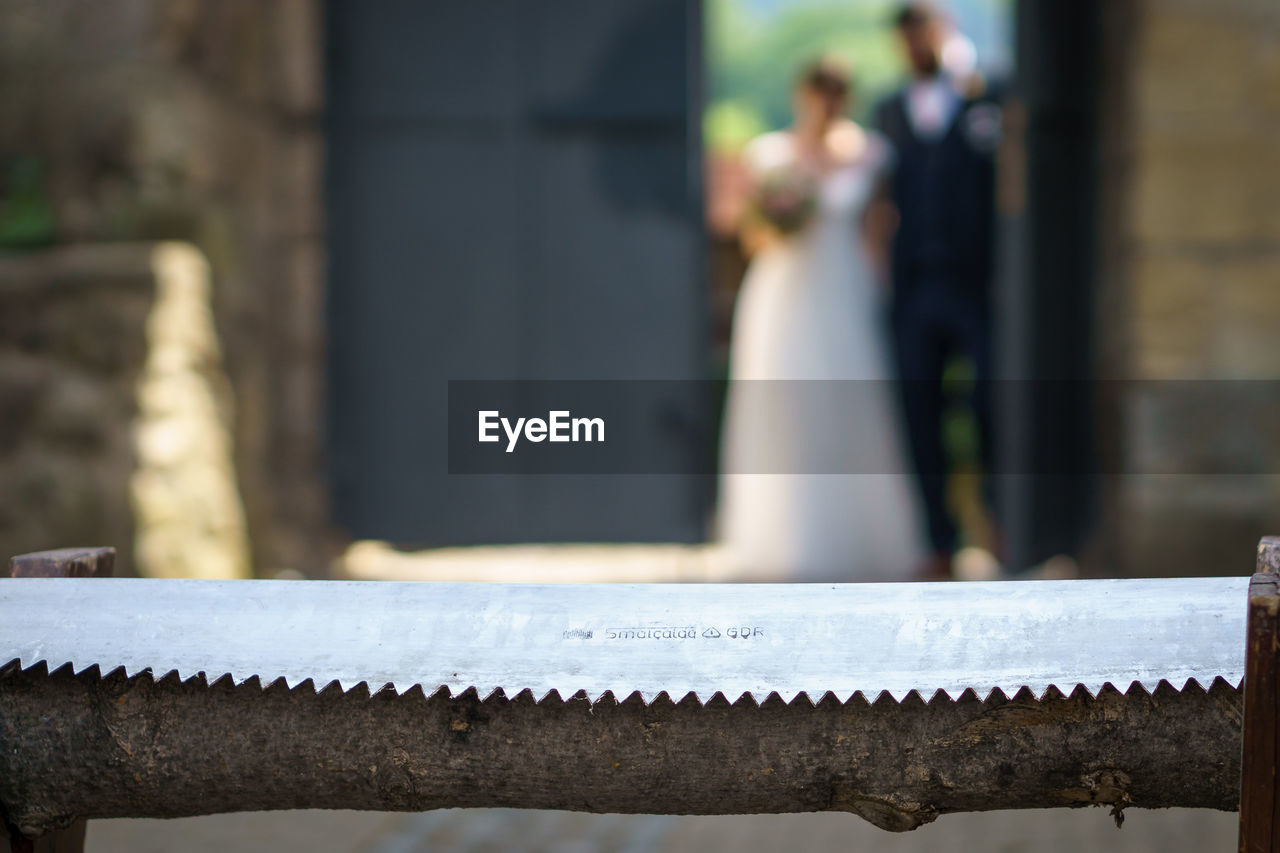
(814, 482)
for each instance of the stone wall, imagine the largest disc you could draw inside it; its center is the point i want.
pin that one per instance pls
(1191, 277)
(198, 121)
(114, 412)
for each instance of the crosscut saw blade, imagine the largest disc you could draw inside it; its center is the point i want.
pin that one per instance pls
(754, 639)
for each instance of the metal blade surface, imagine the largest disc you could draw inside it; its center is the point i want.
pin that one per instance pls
(677, 639)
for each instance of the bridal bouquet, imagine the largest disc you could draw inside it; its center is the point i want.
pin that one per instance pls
(786, 198)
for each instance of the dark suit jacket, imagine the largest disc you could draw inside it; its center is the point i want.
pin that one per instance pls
(945, 193)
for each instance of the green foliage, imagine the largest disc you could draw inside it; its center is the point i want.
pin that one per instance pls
(961, 440)
(26, 216)
(730, 124)
(755, 57)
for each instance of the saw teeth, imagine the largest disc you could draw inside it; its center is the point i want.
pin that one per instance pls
(495, 693)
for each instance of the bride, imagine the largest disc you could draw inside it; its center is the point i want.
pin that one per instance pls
(814, 481)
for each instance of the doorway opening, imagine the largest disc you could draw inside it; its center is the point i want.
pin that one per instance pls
(756, 50)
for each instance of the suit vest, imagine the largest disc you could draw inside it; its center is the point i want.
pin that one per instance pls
(944, 190)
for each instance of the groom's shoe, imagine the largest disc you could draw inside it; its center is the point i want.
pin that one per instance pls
(972, 563)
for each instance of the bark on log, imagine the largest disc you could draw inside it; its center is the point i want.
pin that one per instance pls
(89, 747)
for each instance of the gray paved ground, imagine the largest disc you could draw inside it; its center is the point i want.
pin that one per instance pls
(1056, 831)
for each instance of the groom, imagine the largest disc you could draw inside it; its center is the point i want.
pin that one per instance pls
(944, 126)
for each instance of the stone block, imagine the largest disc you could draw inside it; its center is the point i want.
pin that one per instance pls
(111, 387)
(1206, 186)
(1199, 61)
(1207, 315)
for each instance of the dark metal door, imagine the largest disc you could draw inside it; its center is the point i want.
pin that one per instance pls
(513, 193)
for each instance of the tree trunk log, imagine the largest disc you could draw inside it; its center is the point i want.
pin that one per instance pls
(88, 747)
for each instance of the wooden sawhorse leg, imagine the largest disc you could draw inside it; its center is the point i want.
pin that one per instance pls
(67, 563)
